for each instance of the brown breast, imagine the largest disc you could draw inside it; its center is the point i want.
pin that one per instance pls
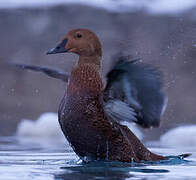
(85, 77)
(81, 113)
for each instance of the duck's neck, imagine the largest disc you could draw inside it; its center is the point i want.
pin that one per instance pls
(95, 60)
(86, 77)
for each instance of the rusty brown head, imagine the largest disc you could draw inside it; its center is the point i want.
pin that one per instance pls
(80, 41)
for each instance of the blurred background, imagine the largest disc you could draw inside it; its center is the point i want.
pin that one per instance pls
(160, 32)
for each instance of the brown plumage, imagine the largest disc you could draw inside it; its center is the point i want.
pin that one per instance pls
(85, 119)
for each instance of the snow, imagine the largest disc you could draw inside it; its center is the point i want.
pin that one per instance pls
(46, 128)
(182, 136)
(170, 6)
(151, 6)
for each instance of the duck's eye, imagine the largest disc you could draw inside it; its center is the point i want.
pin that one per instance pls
(79, 35)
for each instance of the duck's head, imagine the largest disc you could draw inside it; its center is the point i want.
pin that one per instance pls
(83, 42)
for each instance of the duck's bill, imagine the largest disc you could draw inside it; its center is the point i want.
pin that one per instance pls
(59, 49)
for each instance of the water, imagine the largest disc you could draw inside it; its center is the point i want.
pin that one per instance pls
(23, 159)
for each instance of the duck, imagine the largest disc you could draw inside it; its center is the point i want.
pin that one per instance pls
(91, 111)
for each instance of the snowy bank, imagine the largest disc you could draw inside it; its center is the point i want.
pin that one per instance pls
(183, 136)
(152, 7)
(45, 128)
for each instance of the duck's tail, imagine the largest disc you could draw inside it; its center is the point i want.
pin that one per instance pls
(182, 156)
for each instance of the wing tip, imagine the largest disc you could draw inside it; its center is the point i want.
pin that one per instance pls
(121, 58)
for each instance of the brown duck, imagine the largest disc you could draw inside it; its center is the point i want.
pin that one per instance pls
(90, 113)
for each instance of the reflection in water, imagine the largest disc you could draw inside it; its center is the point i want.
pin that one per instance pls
(105, 170)
(85, 175)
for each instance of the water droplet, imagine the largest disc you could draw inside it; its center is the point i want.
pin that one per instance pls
(132, 161)
(98, 147)
(107, 150)
(19, 104)
(85, 159)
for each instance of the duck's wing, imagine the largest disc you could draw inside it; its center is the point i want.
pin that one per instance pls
(57, 74)
(134, 92)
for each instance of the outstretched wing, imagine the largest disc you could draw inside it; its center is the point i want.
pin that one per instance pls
(134, 92)
(48, 71)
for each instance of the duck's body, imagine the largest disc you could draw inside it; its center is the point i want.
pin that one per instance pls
(90, 131)
(90, 112)
(81, 112)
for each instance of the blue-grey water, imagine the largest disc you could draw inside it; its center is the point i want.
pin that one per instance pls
(23, 159)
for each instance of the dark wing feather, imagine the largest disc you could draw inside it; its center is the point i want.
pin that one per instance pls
(48, 71)
(139, 86)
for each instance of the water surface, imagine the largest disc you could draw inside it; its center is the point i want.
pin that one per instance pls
(23, 159)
